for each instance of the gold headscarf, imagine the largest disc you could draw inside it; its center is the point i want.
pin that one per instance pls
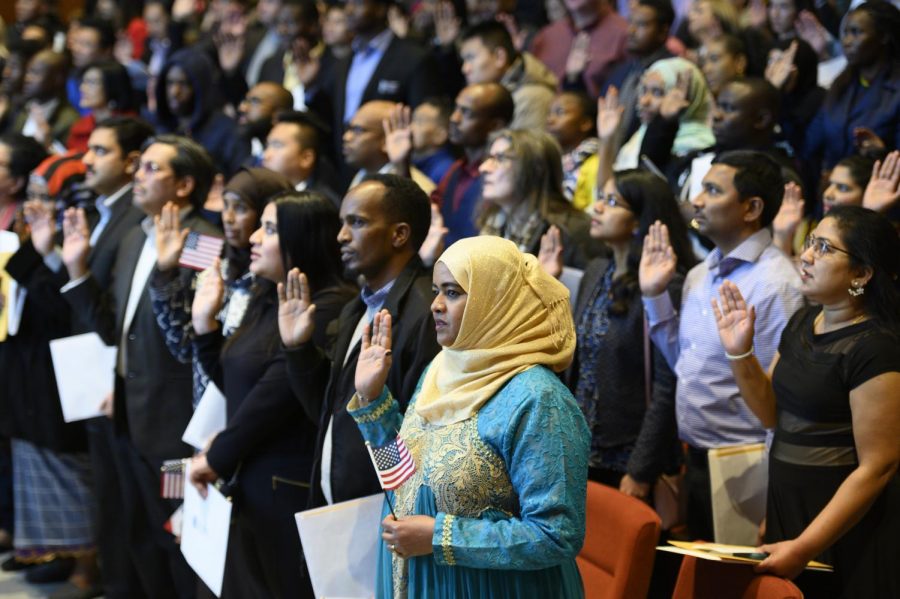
(516, 316)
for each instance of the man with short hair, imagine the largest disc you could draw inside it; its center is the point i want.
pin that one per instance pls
(153, 396)
(385, 220)
(741, 195)
(47, 116)
(90, 40)
(489, 56)
(256, 112)
(592, 29)
(480, 110)
(293, 148)
(365, 146)
(648, 30)
(430, 127)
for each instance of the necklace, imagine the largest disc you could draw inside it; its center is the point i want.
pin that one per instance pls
(819, 323)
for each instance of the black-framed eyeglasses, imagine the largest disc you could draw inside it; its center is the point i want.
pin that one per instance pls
(822, 247)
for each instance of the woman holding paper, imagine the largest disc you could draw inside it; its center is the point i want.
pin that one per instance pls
(495, 505)
(267, 446)
(834, 402)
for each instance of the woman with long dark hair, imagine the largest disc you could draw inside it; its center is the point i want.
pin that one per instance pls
(831, 395)
(266, 449)
(628, 402)
(244, 197)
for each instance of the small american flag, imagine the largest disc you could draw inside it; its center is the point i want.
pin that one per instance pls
(200, 251)
(393, 463)
(171, 485)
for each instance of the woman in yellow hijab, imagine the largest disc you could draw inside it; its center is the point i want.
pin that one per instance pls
(495, 504)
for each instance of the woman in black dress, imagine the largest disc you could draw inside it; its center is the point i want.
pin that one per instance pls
(834, 402)
(266, 449)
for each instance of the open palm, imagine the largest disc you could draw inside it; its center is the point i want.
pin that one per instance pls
(609, 113)
(76, 242)
(295, 310)
(398, 134)
(374, 357)
(735, 320)
(170, 237)
(883, 190)
(658, 261)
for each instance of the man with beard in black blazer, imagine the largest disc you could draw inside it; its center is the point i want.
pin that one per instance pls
(152, 398)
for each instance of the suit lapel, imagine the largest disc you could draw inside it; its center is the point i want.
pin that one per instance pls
(129, 253)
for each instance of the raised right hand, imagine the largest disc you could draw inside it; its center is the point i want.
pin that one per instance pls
(42, 223)
(791, 212)
(295, 310)
(398, 134)
(374, 357)
(883, 190)
(76, 242)
(170, 237)
(734, 319)
(658, 261)
(550, 254)
(446, 24)
(609, 114)
(676, 99)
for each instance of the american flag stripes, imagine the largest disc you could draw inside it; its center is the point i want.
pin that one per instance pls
(200, 251)
(393, 463)
(171, 485)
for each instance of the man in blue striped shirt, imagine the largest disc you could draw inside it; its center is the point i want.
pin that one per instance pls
(741, 195)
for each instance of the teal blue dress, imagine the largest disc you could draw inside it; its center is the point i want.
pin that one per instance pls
(506, 488)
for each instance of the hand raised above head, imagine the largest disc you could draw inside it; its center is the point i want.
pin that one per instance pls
(609, 114)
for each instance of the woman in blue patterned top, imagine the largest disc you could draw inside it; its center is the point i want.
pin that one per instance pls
(495, 507)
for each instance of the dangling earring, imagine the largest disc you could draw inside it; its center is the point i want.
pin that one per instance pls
(856, 290)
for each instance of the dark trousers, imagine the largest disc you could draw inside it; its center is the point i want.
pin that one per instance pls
(119, 577)
(699, 496)
(152, 565)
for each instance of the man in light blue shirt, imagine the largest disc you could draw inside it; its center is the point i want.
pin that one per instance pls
(741, 195)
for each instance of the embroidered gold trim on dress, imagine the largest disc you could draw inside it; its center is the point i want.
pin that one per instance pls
(447, 540)
(376, 414)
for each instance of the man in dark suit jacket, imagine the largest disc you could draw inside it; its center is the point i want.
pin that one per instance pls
(381, 67)
(111, 159)
(385, 220)
(152, 400)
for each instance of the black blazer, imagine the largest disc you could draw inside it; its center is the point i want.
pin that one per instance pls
(29, 402)
(407, 73)
(325, 386)
(153, 403)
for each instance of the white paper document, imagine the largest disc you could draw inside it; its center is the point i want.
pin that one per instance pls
(85, 372)
(204, 533)
(209, 418)
(341, 544)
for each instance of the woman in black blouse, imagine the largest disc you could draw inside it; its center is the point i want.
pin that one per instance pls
(632, 442)
(834, 402)
(266, 449)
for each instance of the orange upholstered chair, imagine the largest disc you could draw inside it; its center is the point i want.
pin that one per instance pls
(619, 545)
(705, 579)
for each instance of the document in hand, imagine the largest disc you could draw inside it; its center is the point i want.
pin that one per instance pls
(734, 554)
(341, 544)
(204, 533)
(738, 480)
(85, 370)
(209, 418)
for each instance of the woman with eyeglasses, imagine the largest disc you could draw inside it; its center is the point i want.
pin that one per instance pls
(522, 189)
(106, 91)
(628, 403)
(832, 395)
